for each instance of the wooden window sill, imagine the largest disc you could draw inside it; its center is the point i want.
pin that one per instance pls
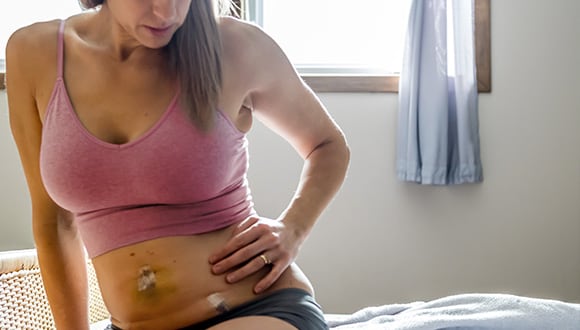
(352, 83)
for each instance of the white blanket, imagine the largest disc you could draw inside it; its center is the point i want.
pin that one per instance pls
(466, 311)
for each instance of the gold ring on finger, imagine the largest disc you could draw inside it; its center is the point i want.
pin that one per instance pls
(265, 259)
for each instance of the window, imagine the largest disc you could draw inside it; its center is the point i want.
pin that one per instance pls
(337, 36)
(323, 40)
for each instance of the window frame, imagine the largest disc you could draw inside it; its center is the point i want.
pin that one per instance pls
(2, 77)
(339, 83)
(353, 83)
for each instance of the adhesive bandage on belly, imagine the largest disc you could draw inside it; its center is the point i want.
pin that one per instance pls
(218, 302)
(146, 279)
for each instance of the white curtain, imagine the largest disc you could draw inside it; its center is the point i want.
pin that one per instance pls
(438, 129)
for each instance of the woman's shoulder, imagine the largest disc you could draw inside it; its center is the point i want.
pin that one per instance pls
(238, 36)
(233, 27)
(245, 31)
(34, 46)
(251, 51)
(245, 39)
(35, 37)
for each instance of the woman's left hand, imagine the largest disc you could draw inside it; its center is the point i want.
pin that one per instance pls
(257, 243)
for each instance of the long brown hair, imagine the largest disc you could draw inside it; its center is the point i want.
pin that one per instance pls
(195, 56)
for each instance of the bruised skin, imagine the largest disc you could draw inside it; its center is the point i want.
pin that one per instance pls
(146, 280)
(167, 282)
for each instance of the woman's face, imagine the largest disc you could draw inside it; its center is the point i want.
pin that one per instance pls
(151, 23)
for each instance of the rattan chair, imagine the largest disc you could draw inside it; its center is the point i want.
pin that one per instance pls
(23, 303)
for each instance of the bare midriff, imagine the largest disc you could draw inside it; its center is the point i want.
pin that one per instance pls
(167, 283)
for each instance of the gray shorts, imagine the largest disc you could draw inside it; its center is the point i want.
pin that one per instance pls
(291, 305)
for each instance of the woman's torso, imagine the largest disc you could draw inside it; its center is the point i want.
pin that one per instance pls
(184, 282)
(105, 106)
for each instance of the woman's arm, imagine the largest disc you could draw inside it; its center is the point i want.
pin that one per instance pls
(284, 103)
(59, 248)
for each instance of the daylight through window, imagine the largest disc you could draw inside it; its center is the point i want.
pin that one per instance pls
(336, 36)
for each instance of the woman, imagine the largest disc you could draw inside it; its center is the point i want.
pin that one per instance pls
(130, 122)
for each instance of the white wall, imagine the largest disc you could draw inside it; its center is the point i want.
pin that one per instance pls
(383, 241)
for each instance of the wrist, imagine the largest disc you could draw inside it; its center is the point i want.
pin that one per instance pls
(299, 230)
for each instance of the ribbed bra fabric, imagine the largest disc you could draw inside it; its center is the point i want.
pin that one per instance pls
(173, 180)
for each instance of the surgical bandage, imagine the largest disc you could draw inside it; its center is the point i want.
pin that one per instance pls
(218, 302)
(146, 279)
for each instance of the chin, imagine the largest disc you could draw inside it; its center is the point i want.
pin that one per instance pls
(155, 44)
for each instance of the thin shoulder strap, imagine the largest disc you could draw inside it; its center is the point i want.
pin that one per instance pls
(60, 46)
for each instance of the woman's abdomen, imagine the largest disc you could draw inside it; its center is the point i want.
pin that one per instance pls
(168, 282)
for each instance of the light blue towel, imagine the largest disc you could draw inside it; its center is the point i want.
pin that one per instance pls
(466, 311)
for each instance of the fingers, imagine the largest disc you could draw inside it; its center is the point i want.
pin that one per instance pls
(242, 249)
(272, 277)
(241, 236)
(277, 267)
(244, 225)
(246, 256)
(265, 259)
(256, 243)
(253, 266)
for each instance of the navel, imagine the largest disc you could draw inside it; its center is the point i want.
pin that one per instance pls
(146, 280)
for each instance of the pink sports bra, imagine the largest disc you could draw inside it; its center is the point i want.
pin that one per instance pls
(173, 180)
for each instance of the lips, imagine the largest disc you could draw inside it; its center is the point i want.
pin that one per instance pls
(160, 30)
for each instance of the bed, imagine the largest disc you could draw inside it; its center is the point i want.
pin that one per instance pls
(23, 306)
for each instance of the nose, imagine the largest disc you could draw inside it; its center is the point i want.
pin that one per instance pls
(165, 10)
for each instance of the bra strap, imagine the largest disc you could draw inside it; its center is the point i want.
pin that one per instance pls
(60, 49)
